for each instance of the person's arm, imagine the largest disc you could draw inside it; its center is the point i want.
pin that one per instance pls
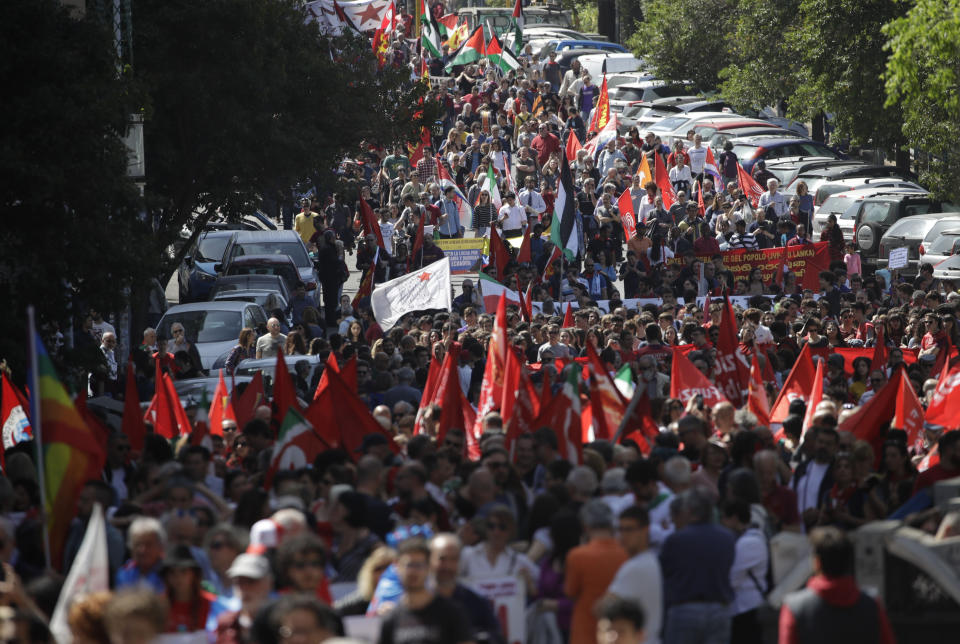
(788, 627)
(571, 582)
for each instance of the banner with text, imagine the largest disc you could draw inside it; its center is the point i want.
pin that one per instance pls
(465, 254)
(804, 261)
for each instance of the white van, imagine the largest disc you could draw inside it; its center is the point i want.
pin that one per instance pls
(599, 64)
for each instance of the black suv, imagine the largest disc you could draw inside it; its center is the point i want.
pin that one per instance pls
(873, 216)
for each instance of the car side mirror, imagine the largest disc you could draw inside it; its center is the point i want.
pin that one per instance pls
(217, 268)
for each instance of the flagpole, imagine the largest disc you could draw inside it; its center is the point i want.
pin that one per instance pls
(36, 424)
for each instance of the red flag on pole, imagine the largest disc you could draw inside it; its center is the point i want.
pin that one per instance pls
(686, 382)
(944, 407)
(601, 111)
(814, 399)
(221, 408)
(132, 427)
(491, 389)
(573, 144)
(797, 385)
(370, 223)
(663, 183)
(568, 322)
(251, 398)
(757, 397)
(750, 188)
(498, 254)
(524, 255)
(627, 216)
(732, 369)
(908, 415)
(284, 394)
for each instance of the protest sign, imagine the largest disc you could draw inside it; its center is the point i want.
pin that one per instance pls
(465, 254)
(509, 604)
(805, 261)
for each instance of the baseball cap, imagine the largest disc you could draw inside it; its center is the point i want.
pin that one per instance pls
(251, 566)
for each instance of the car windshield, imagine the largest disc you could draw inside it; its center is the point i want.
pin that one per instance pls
(629, 94)
(204, 326)
(669, 91)
(670, 124)
(293, 250)
(910, 228)
(835, 205)
(210, 248)
(635, 111)
(286, 271)
(943, 244)
(269, 301)
(744, 151)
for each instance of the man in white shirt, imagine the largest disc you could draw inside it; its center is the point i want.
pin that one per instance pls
(773, 198)
(698, 158)
(512, 218)
(813, 478)
(571, 81)
(531, 201)
(640, 578)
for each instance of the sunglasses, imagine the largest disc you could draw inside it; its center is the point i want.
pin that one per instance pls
(494, 525)
(217, 545)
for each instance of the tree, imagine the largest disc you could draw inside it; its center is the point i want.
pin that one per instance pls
(72, 234)
(246, 100)
(922, 77)
(763, 69)
(840, 45)
(683, 39)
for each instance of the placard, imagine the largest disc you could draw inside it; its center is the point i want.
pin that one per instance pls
(898, 258)
(509, 597)
(465, 254)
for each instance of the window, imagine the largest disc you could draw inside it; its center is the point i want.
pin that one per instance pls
(204, 326)
(210, 249)
(877, 212)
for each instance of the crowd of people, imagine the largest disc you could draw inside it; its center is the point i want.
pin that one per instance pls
(666, 541)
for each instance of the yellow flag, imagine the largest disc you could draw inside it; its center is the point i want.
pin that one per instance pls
(644, 170)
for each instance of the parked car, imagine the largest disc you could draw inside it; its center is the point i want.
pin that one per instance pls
(280, 242)
(565, 58)
(948, 269)
(650, 90)
(213, 327)
(227, 283)
(909, 233)
(196, 273)
(826, 189)
(676, 127)
(846, 206)
(941, 241)
(311, 367)
(269, 300)
(199, 389)
(280, 265)
(875, 215)
(644, 114)
(570, 43)
(751, 149)
(609, 62)
(717, 140)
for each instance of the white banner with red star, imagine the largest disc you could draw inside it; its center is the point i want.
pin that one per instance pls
(420, 290)
(365, 15)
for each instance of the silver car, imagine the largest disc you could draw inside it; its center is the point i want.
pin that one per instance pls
(214, 327)
(941, 242)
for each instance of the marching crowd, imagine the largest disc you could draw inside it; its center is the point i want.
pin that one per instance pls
(662, 538)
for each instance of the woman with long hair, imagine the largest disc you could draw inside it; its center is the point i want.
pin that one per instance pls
(483, 213)
(860, 378)
(834, 339)
(189, 603)
(895, 485)
(356, 603)
(295, 344)
(245, 349)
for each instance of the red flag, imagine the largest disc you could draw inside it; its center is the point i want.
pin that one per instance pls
(525, 311)
(221, 408)
(797, 385)
(942, 360)
(369, 221)
(14, 422)
(330, 365)
(455, 411)
(494, 371)
(814, 399)
(568, 322)
(908, 415)
(498, 254)
(686, 381)
(562, 414)
(732, 371)
(601, 111)
(663, 183)
(246, 404)
(417, 242)
(520, 406)
(702, 208)
(550, 269)
(869, 421)
(342, 419)
(750, 188)
(606, 401)
(573, 144)
(132, 427)
(932, 458)
(523, 255)
(546, 392)
(284, 394)
(416, 151)
(781, 268)
(757, 397)
(297, 446)
(165, 412)
(349, 373)
(366, 284)
(429, 390)
(944, 407)
(627, 216)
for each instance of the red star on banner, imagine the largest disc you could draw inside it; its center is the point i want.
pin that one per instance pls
(370, 13)
(424, 277)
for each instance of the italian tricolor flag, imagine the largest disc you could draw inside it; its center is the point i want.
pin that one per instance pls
(491, 290)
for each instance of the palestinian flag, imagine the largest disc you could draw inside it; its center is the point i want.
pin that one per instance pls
(470, 51)
(429, 32)
(563, 230)
(502, 58)
(447, 25)
(518, 26)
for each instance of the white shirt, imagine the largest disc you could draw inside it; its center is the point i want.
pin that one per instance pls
(751, 557)
(512, 217)
(640, 579)
(533, 199)
(474, 563)
(661, 525)
(808, 487)
(698, 158)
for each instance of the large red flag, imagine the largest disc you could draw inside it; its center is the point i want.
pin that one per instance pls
(349, 373)
(455, 411)
(663, 183)
(498, 254)
(879, 359)
(369, 221)
(524, 255)
(245, 406)
(429, 390)
(908, 415)
(757, 397)
(165, 413)
(601, 111)
(366, 283)
(562, 415)
(869, 421)
(944, 407)
(491, 389)
(797, 385)
(132, 427)
(815, 397)
(573, 144)
(221, 408)
(549, 270)
(330, 365)
(686, 381)
(627, 217)
(520, 406)
(701, 207)
(284, 394)
(607, 403)
(750, 188)
(732, 371)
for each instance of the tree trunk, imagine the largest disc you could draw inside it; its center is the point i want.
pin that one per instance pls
(607, 19)
(817, 128)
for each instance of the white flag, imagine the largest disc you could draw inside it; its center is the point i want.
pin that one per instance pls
(90, 573)
(425, 288)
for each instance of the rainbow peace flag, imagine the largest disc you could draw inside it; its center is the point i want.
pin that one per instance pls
(72, 452)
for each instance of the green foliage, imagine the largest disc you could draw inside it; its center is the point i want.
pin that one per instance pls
(71, 235)
(763, 68)
(684, 39)
(585, 16)
(922, 76)
(246, 98)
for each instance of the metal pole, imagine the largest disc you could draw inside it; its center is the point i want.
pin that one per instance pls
(36, 424)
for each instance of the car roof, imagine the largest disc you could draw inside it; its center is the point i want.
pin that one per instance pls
(881, 191)
(241, 292)
(218, 232)
(727, 124)
(765, 140)
(597, 44)
(192, 307)
(263, 259)
(239, 279)
(265, 235)
(568, 54)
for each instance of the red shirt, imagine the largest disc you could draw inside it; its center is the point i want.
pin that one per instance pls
(936, 473)
(189, 616)
(545, 145)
